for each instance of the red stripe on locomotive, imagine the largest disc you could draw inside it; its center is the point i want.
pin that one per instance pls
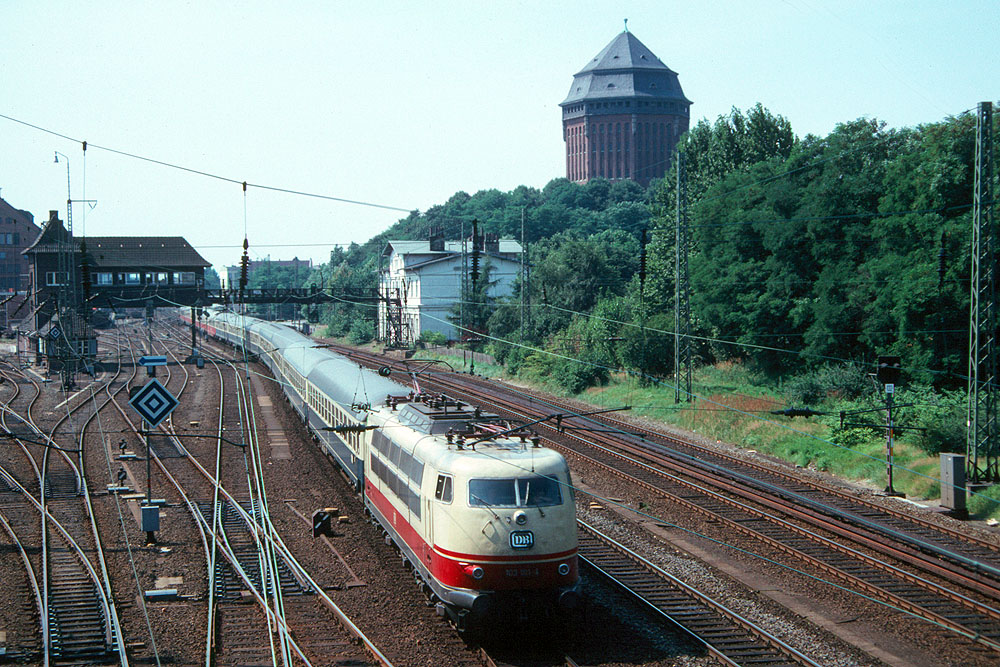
(537, 571)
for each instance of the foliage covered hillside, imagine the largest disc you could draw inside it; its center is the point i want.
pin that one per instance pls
(847, 246)
(804, 251)
(572, 231)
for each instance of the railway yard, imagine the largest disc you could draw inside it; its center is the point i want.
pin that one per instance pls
(691, 552)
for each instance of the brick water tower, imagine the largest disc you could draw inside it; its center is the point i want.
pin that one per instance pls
(623, 116)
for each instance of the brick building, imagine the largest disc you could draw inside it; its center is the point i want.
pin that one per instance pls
(17, 231)
(623, 116)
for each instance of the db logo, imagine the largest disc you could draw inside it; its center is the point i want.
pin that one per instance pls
(522, 539)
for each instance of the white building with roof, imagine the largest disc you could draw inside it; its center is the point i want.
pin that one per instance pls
(421, 282)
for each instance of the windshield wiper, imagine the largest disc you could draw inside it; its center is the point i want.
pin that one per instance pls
(486, 505)
(527, 494)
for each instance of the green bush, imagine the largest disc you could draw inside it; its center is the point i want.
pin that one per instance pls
(339, 321)
(942, 415)
(846, 381)
(804, 390)
(433, 338)
(853, 437)
(536, 366)
(574, 377)
(510, 356)
(362, 331)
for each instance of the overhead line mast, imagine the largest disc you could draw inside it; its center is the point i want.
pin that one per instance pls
(981, 442)
(682, 289)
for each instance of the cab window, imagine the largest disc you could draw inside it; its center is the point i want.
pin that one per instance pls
(443, 491)
(518, 492)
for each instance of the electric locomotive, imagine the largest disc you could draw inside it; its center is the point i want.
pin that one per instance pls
(482, 513)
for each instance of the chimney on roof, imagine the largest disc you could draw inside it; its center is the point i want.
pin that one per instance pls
(436, 237)
(492, 243)
(53, 216)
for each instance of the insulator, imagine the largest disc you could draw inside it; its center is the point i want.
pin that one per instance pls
(475, 253)
(474, 273)
(244, 270)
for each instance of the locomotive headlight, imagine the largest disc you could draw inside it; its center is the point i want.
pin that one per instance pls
(476, 571)
(563, 569)
(520, 518)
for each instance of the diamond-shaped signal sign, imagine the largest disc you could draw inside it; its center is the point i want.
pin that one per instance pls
(153, 402)
(55, 333)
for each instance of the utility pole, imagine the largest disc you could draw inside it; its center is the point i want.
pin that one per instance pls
(522, 274)
(527, 283)
(151, 372)
(642, 301)
(682, 290)
(981, 442)
(463, 290)
(889, 373)
(473, 294)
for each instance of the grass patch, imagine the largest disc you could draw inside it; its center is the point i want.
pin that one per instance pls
(983, 504)
(734, 407)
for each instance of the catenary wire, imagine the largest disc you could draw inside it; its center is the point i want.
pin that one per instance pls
(198, 172)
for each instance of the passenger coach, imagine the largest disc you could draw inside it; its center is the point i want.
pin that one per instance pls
(482, 513)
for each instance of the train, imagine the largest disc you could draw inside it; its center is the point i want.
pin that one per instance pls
(483, 513)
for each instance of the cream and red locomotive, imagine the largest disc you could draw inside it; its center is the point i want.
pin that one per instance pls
(482, 513)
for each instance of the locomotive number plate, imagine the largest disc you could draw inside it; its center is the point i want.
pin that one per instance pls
(522, 539)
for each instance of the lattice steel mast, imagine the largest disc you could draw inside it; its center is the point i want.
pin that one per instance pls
(682, 290)
(981, 443)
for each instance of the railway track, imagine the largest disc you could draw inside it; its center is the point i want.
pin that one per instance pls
(968, 561)
(20, 524)
(228, 585)
(750, 504)
(246, 556)
(78, 619)
(726, 635)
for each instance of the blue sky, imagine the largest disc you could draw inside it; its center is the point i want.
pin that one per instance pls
(402, 104)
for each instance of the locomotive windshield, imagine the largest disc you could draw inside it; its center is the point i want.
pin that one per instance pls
(518, 492)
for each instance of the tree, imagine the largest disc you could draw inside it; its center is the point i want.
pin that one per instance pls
(473, 311)
(212, 280)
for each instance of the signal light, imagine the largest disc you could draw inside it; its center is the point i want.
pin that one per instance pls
(474, 273)
(889, 370)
